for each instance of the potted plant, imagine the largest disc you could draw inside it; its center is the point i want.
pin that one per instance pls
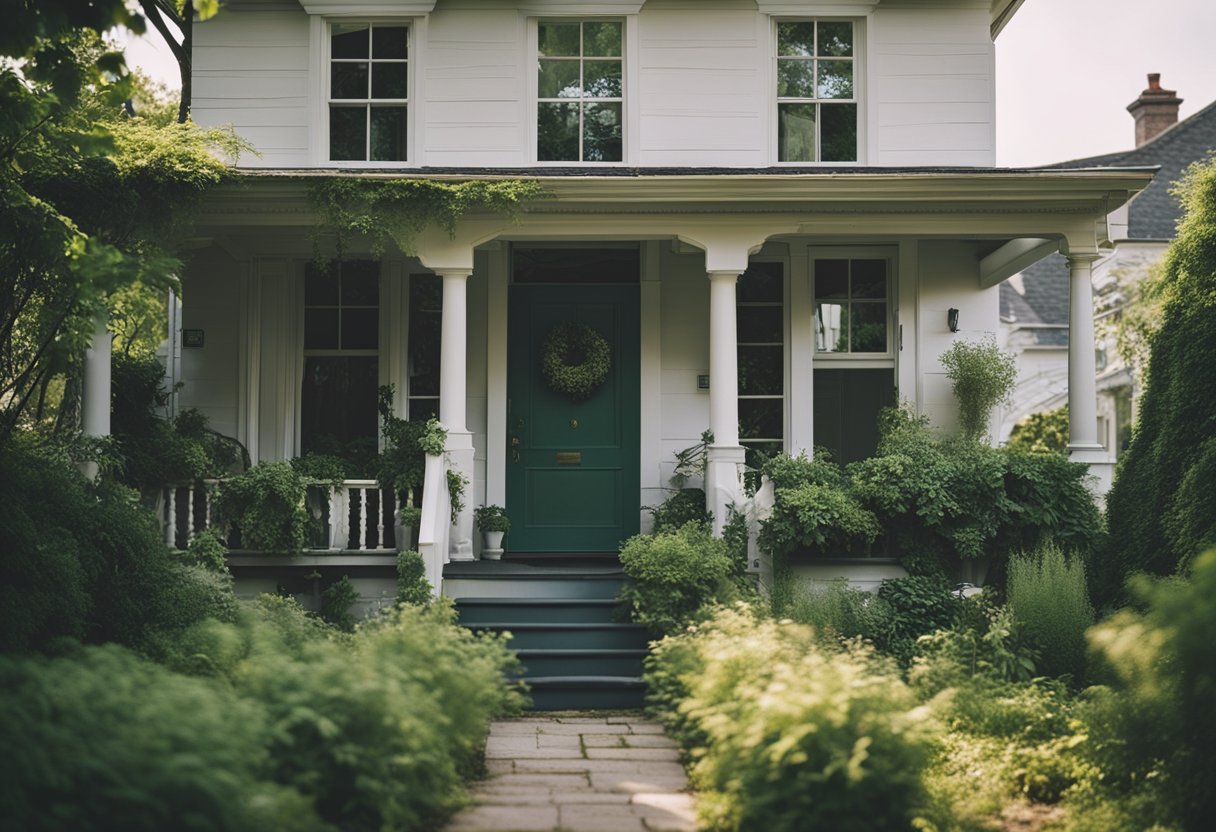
(494, 523)
(405, 521)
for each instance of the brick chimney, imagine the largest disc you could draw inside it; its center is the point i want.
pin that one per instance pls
(1155, 109)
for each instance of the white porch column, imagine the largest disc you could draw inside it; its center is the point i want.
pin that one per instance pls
(453, 347)
(1083, 445)
(724, 460)
(95, 397)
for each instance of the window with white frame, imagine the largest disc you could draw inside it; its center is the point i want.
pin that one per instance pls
(852, 306)
(579, 108)
(760, 330)
(816, 91)
(368, 92)
(341, 359)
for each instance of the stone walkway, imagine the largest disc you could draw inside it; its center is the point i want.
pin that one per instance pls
(579, 773)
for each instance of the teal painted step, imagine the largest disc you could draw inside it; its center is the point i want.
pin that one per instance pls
(560, 693)
(571, 636)
(511, 587)
(582, 662)
(537, 610)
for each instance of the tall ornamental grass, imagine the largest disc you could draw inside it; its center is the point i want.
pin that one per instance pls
(1049, 597)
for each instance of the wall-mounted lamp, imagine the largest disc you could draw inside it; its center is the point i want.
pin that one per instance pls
(952, 319)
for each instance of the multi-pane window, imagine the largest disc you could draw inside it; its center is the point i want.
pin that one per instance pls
(368, 92)
(760, 329)
(579, 97)
(426, 325)
(851, 307)
(816, 92)
(341, 359)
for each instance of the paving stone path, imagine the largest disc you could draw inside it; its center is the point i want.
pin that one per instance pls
(579, 773)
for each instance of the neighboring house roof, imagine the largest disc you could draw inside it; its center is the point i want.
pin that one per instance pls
(1153, 214)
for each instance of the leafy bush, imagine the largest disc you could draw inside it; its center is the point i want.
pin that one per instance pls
(402, 464)
(795, 736)
(1048, 595)
(687, 505)
(841, 612)
(208, 551)
(336, 602)
(1153, 728)
(101, 739)
(1046, 431)
(268, 505)
(919, 605)
(814, 509)
(983, 376)
(1161, 506)
(673, 575)
(412, 585)
(377, 727)
(322, 469)
(87, 561)
(985, 642)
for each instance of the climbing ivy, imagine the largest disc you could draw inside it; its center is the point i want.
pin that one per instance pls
(396, 211)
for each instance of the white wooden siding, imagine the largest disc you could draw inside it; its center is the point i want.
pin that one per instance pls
(702, 94)
(251, 71)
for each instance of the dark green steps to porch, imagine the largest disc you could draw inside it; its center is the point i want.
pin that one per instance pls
(568, 629)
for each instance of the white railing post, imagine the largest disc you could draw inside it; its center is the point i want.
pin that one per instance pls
(171, 529)
(339, 517)
(189, 515)
(435, 525)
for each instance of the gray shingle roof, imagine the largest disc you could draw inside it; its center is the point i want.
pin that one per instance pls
(1153, 213)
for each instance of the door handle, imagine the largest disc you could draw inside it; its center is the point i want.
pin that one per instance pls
(515, 449)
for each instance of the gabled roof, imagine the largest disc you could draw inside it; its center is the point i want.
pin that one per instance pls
(1154, 213)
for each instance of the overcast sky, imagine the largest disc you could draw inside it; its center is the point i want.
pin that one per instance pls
(1066, 71)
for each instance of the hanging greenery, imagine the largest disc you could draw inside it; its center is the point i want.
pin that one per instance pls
(397, 210)
(575, 360)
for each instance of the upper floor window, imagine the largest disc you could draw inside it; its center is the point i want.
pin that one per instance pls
(579, 98)
(368, 92)
(816, 91)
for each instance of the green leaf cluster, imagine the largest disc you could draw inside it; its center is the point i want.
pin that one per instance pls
(1042, 432)
(789, 735)
(983, 376)
(412, 585)
(673, 575)
(268, 506)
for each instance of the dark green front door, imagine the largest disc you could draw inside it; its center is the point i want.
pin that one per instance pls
(572, 467)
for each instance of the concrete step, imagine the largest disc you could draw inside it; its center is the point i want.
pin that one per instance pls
(539, 610)
(623, 662)
(560, 693)
(571, 636)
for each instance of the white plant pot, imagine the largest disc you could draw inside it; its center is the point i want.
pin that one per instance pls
(493, 546)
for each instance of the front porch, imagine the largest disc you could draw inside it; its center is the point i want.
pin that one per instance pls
(779, 311)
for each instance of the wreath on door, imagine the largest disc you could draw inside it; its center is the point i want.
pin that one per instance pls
(575, 360)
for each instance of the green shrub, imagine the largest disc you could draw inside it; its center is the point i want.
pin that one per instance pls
(917, 605)
(268, 505)
(673, 575)
(986, 642)
(1043, 432)
(841, 612)
(88, 561)
(336, 602)
(207, 550)
(983, 376)
(412, 585)
(1153, 728)
(795, 737)
(100, 739)
(687, 505)
(323, 469)
(1048, 595)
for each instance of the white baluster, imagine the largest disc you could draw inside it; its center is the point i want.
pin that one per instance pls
(380, 515)
(189, 515)
(171, 530)
(206, 507)
(362, 518)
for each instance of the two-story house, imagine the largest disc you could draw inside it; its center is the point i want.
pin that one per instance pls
(776, 216)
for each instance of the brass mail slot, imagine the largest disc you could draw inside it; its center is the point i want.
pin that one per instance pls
(569, 458)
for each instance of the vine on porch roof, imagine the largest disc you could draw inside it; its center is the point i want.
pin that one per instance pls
(398, 210)
(575, 360)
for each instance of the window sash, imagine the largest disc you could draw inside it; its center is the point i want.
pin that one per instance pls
(368, 102)
(582, 99)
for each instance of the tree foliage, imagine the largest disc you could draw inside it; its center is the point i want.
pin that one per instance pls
(1044, 431)
(1162, 508)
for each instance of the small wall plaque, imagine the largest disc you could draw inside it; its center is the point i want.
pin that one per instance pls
(703, 381)
(192, 338)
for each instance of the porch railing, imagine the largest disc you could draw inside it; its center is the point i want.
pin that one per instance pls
(356, 516)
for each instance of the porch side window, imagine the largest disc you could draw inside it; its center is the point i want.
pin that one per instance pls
(341, 359)
(760, 328)
(579, 93)
(816, 91)
(426, 310)
(368, 92)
